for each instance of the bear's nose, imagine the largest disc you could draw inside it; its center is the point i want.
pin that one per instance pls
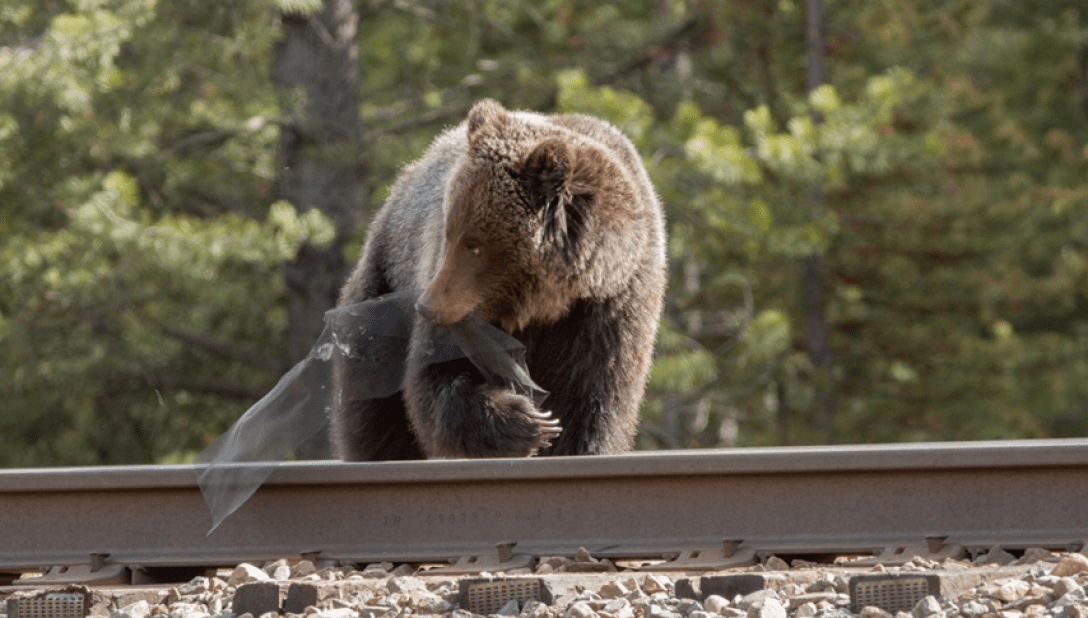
(425, 311)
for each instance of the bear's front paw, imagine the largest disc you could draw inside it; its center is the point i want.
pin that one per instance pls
(519, 429)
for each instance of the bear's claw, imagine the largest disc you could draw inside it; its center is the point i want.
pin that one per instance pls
(550, 429)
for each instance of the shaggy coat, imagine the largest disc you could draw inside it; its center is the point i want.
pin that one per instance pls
(546, 226)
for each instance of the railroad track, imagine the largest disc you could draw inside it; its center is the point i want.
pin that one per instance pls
(688, 510)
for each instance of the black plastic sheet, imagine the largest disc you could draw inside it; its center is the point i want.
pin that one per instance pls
(374, 335)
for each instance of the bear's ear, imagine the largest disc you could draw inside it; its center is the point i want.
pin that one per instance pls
(483, 112)
(555, 192)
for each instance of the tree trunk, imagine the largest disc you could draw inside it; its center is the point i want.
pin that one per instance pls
(316, 75)
(812, 276)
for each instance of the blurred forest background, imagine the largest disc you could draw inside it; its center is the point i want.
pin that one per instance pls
(878, 226)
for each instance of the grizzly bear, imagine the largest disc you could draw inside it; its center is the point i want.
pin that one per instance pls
(545, 226)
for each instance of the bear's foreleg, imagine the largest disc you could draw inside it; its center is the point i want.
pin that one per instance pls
(456, 413)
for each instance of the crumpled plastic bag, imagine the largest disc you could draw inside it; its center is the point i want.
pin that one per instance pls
(374, 333)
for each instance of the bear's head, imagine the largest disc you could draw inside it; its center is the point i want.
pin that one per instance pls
(534, 218)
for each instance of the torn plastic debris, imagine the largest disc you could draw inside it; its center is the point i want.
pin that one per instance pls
(374, 334)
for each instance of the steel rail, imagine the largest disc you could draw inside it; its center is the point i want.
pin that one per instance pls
(797, 500)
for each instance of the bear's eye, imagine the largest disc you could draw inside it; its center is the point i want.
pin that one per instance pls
(473, 249)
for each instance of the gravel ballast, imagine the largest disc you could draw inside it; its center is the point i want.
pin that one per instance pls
(1037, 585)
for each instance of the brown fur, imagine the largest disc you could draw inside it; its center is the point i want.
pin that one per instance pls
(546, 226)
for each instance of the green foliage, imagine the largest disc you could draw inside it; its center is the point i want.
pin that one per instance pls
(142, 237)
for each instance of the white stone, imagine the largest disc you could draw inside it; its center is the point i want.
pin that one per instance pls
(404, 584)
(426, 602)
(1012, 590)
(339, 612)
(770, 608)
(973, 609)
(658, 610)
(270, 567)
(715, 604)
(758, 596)
(246, 573)
(580, 609)
(281, 573)
(618, 608)
(614, 590)
(656, 583)
(928, 606)
(539, 610)
(139, 609)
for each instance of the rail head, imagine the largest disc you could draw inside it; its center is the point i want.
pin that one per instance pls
(1009, 454)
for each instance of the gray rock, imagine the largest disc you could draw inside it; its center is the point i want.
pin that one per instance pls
(1065, 585)
(1071, 599)
(687, 606)
(378, 569)
(302, 569)
(805, 610)
(774, 563)
(1070, 564)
